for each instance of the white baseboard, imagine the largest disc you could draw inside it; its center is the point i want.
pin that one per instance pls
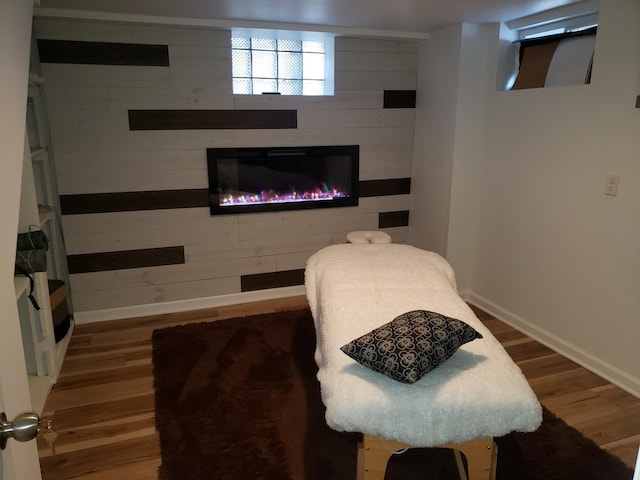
(92, 316)
(598, 366)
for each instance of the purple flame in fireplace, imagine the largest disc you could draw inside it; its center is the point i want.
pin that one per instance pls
(271, 196)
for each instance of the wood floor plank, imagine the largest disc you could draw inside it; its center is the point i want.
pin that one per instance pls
(99, 435)
(548, 365)
(626, 448)
(97, 378)
(78, 463)
(565, 382)
(104, 362)
(98, 393)
(613, 429)
(74, 417)
(103, 405)
(527, 350)
(138, 470)
(511, 338)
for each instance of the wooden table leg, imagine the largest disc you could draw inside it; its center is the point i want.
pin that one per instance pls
(481, 457)
(374, 454)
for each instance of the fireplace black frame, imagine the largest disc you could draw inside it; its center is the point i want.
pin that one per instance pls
(350, 153)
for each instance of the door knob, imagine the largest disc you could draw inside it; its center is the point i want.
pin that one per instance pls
(22, 429)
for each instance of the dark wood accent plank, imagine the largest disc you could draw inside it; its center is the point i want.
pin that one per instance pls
(393, 219)
(212, 119)
(103, 53)
(131, 201)
(263, 281)
(399, 99)
(190, 198)
(106, 261)
(378, 188)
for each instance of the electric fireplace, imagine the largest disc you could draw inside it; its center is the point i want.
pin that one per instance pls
(244, 180)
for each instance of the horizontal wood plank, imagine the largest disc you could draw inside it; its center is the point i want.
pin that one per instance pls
(399, 99)
(130, 201)
(263, 281)
(392, 186)
(393, 219)
(212, 119)
(123, 32)
(148, 257)
(384, 80)
(199, 232)
(190, 198)
(154, 140)
(124, 297)
(355, 118)
(352, 99)
(392, 203)
(366, 44)
(385, 161)
(102, 53)
(366, 61)
(101, 76)
(212, 97)
(170, 275)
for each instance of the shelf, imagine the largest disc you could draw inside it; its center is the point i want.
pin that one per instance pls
(38, 206)
(21, 285)
(38, 153)
(47, 213)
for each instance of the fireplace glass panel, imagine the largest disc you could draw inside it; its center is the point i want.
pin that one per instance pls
(243, 180)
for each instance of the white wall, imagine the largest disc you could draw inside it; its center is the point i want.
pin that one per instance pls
(538, 243)
(96, 153)
(477, 55)
(437, 100)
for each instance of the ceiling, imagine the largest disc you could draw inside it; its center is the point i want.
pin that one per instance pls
(418, 16)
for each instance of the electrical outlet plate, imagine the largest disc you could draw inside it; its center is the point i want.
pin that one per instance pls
(611, 187)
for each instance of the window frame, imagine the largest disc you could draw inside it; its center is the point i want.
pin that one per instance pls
(568, 25)
(573, 19)
(278, 35)
(532, 77)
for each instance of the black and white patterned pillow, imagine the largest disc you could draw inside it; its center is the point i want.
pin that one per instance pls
(411, 345)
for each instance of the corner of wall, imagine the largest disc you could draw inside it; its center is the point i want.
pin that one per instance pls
(597, 365)
(434, 138)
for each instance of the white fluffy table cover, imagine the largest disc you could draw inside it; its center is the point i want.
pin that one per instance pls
(479, 392)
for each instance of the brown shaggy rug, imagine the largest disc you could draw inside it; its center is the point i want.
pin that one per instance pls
(238, 399)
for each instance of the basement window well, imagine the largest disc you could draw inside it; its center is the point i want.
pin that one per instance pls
(553, 48)
(556, 60)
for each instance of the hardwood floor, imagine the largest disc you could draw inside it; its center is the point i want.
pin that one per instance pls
(102, 406)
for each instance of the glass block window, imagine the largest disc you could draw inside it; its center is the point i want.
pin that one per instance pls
(270, 65)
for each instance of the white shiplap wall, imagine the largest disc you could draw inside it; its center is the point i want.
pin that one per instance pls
(96, 153)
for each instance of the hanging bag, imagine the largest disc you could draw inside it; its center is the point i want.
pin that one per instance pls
(31, 251)
(31, 257)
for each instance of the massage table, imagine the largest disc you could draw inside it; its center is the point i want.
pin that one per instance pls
(477, 394)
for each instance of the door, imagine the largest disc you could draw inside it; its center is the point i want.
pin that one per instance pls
(18, 460)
